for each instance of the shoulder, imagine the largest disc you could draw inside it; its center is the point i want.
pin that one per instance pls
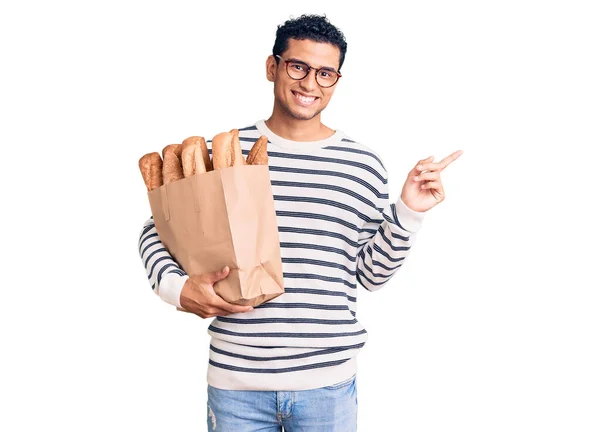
(349, 148)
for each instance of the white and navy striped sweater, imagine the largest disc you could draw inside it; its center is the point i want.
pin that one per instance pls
(337, 229)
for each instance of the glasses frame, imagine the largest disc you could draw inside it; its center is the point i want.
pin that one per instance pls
(317, 70)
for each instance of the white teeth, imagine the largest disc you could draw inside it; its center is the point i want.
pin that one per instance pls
(304, 99)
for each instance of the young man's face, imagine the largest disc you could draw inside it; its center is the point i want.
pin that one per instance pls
(303, 99)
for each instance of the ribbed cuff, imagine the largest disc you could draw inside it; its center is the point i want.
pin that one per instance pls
(170, 288)
(409, 219)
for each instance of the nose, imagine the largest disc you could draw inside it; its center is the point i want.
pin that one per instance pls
(309, 82)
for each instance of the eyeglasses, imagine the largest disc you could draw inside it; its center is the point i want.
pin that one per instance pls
(297, 70)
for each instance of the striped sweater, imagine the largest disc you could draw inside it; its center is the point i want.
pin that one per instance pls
(337, 229)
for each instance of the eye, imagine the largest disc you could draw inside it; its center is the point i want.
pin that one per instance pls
(326, 74)
(298, 67)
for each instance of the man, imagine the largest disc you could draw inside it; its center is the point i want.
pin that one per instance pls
(291, 362)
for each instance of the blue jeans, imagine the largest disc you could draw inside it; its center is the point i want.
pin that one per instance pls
(327, 409)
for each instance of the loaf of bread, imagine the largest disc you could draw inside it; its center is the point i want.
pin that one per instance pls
(172, 168)
(177, 148)
(191, 157)
(238, 156)
(222, 150)
(258, 153)
(151, 168)
(205, 155)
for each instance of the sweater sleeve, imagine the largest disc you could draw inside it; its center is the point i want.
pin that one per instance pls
(393, 229)
(165, 275)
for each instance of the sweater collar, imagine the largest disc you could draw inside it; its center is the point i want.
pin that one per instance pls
(336, 138)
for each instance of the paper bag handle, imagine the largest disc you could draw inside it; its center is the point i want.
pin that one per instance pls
(165, 203)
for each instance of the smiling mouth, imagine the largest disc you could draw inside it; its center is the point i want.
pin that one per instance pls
(304, 100)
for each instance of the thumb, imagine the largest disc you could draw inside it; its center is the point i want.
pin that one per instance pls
(217, 275)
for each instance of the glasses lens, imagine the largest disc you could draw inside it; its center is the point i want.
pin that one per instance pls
(326, 78)
(297, 70)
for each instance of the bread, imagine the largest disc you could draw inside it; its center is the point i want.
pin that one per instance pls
(151, 168)
(172, 169)
(222, 151)
(205, 155)
(238, 156)
(177, 148)
(191, 156)
(258, 153)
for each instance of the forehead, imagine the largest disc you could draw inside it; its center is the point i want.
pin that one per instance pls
(316, 54)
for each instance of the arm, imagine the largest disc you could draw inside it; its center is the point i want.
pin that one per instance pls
(193, 294)
(382, 254)
(165, 276)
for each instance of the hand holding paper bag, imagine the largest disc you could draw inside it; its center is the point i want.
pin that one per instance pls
(199, 297)
(216, 216)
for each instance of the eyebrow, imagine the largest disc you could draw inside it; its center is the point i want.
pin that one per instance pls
(302, 61)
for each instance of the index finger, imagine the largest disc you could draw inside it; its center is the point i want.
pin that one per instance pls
(449, 159)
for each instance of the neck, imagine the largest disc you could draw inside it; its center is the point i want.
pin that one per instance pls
(294, 129)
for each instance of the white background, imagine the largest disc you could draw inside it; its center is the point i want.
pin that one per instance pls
(493, 323)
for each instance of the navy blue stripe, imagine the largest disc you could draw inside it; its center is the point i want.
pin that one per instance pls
(285, 321)
(177, 271)
(324, 202)
(318, 277)
(318, 233)
(156, 262)
(365, 277)
(384, 253)
(362, 283)
(287, 357)
(152, 254)
(248, 128)
(377, 263)
(353, 150)
(330, 160)
(142, 243)
(281, 370)
(372, 272)
(149, 246)
(332, 174)
(370, 232)
(325, 187)
(383, 266)
(400, 237)
(350, 225)
(161, 271)
(395, 214)
(286, 335)
(146, 229)
(389, 242)
(286, 245)
(318, 263)
(274, 305)
(319, 292)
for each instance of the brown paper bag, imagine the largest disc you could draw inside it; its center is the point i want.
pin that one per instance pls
(224, 217)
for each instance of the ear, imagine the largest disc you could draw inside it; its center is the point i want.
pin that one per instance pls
(271, 68)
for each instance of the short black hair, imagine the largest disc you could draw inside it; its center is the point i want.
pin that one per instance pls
(312, 27)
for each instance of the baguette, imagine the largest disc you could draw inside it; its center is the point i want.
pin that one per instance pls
(172, 169)
(222, 151)
(177, 148)
(151, 168)
(205, 155)
(258, 153)
(238, 156)
(191, 157)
